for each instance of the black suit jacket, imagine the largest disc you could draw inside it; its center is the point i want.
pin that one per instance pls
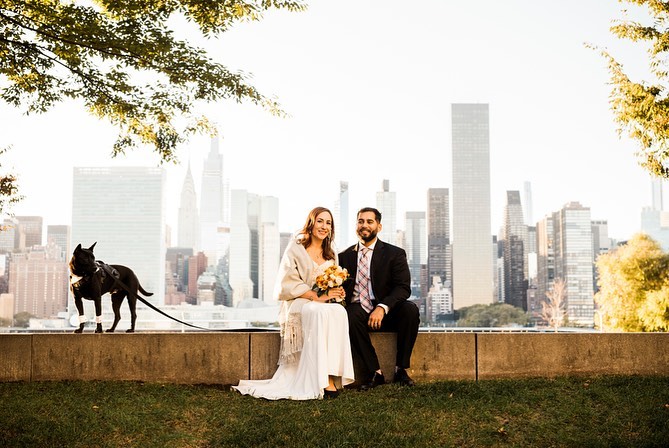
(390, 277)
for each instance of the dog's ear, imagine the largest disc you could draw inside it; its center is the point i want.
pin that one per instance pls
(78, 247)
(91, 248)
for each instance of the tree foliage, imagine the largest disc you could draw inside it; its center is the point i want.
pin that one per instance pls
(641, 108)
(9, 189)
(122, 59)
(494, 315)
(22, 319)
(554, 308)
(634, 286)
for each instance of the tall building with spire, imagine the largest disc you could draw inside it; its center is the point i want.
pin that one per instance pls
(213, 205)
(386, 203)
(472, 237)
(188, 232)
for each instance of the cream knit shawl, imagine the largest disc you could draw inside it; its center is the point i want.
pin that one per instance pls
(296, 276)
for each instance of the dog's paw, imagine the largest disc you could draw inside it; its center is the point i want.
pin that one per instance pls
(129, 330)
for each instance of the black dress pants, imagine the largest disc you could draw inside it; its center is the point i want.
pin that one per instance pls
(403, 319)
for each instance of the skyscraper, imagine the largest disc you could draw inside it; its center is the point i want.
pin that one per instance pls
(656, 194)
(514, 244)
(438, 236)
(212, 204)
(472, 237)
(29, 232)
(39, 284)
(189, 222)
(269, 248)
(60, 236)
(527, 204)
(342, 223)
(123, 210)
(240, 247)
(386, 203)
(574, 261)
(416, 249)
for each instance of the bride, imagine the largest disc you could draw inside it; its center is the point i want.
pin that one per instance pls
(315, 346)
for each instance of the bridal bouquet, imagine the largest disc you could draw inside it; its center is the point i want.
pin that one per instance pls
(332, 277)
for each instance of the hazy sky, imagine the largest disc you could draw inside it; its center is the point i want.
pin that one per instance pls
(369, 87)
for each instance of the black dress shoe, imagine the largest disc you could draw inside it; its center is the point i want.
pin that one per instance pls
(377, 380)
(327, 394)
(403, 378)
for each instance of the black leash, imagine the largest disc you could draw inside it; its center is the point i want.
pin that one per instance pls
(110, 271)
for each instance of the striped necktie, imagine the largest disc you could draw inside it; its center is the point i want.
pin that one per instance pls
(362, 281)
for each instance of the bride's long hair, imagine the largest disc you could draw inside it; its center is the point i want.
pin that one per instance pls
(328, 252)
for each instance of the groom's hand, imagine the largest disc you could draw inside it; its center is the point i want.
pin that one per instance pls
(375, 318)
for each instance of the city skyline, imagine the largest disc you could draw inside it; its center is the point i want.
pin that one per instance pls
(368, 98)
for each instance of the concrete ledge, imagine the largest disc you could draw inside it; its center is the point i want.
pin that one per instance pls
(443, 356)
(16, 357)
(154, 357)
(227, 357)
(561, 354)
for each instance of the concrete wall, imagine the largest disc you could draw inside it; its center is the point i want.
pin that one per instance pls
(224, 358)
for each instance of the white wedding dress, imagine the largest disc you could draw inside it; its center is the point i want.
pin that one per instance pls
(326, 351)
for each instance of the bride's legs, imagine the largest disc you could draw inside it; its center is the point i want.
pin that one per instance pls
(331, 385)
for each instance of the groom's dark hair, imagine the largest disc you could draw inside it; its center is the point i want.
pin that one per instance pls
(377, 214)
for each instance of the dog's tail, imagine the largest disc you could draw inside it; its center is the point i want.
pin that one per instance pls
(146, 293)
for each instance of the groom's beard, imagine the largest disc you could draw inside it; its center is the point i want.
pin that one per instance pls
(369, 237)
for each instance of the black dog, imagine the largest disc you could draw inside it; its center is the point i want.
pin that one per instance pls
(91, 279)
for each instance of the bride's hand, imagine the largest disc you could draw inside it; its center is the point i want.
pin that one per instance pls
(336, 293)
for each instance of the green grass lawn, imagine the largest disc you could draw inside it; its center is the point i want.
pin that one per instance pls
(565, 412)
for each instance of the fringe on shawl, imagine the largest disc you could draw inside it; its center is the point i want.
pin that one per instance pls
(292, 339)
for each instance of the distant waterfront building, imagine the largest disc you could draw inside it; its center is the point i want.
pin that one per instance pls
(528, 212)
(472, 249)
(177, 268)
(342, 221)
(38, 283)
(416, 249)
(197, 265)
(269, 248)
(123, 210)
(188, 231)
(240, 248)
(564, 244)
(60, 236)
(212, 205)
(7, 306)
(656, 194)
(513, 239)
(440, 300)
(8, 235)
(574, 261)
(386, 203)
(438, 235)
(531, 254)
(545, 265)
(29, 232)
(284, 239)
(601, 244)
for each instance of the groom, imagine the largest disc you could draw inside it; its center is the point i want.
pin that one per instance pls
(377, 299)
